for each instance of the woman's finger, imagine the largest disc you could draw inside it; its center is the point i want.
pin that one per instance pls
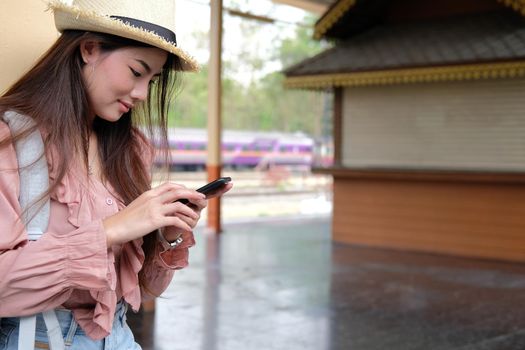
(174, 194)
(177, 222)
(166, 186)
(198, 204)
(177, 208)
(191, 222)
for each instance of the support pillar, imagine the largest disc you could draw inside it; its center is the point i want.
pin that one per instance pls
(214, 162)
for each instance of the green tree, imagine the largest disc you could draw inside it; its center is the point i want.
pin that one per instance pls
(301, 46)
(189, 109)
(259, 103)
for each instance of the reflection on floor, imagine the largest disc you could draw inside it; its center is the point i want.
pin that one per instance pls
(284, 285)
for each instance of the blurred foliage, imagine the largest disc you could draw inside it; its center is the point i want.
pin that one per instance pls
(258, 102)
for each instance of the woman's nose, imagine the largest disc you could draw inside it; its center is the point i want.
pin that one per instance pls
(140, 92)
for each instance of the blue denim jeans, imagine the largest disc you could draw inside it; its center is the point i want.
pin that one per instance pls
(121, 337)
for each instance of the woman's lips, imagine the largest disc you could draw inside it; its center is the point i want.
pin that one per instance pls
(124, 106)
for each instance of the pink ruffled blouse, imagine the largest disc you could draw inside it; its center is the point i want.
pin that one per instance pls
(70, 266)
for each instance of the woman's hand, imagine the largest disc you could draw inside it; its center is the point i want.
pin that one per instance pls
(155, 209)
(197, 206)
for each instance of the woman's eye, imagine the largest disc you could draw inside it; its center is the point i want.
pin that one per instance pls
(135, 73)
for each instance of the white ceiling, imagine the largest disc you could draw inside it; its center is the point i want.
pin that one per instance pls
(314, 6)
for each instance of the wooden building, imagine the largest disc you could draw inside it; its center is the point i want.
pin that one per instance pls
(429, 123)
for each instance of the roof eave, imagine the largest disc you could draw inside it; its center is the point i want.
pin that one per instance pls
(332, 16)
(464, 72)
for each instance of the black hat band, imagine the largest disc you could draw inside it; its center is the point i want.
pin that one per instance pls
(164, 33)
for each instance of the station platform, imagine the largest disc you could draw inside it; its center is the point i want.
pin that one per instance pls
(284, 285)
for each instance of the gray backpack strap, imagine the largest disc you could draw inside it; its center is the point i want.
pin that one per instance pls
(34, 177)
(34, 182)
(27, 329)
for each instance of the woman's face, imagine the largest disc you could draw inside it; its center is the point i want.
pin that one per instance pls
(117, 80)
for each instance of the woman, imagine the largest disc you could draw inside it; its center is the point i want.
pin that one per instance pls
(111, 239)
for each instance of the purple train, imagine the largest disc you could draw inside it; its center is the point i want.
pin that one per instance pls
(241, 149)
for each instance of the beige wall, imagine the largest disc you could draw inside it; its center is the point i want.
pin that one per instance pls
(471, 125)
(26, 31)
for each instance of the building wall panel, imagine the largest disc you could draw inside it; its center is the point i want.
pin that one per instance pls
(468, 219)
(470, 125)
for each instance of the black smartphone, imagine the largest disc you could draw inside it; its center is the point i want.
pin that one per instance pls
(214, 185)
(210, 187)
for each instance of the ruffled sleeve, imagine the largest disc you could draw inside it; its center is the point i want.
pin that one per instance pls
(131, 261)
(41, 275)
(175, 258)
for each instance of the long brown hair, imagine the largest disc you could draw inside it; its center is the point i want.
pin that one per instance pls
(54, 95)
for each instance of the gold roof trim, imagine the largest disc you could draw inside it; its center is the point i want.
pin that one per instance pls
(410, 75)
(331, 17)
(517, 5)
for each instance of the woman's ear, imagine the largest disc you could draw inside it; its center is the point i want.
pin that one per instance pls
(90, 51)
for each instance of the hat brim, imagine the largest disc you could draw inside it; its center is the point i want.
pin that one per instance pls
(73, 18)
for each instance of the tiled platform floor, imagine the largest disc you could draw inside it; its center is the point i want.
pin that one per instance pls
(284, 285)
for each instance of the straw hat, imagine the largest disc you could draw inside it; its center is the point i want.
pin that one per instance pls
(150, 22)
